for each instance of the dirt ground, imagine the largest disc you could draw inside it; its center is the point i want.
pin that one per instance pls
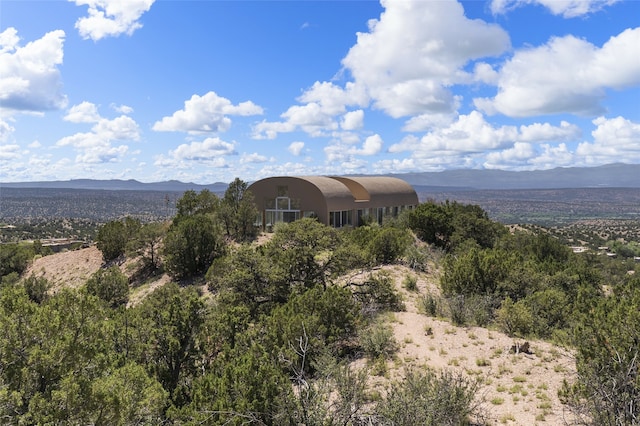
(517, 389)
(67, 269)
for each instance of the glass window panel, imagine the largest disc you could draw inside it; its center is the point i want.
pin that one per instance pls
(283, 203)
(289, 216)
(270, 218)
(346, 218)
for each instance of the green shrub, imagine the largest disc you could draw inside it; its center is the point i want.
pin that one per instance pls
(110, 285)
(36, 288)
(378, 294)
(378, 341)
(457, 309)
(431, 399)
(417, 257)
(14, 258)
(388, 244)
(514, 318)
(410, 282)
(430, 304)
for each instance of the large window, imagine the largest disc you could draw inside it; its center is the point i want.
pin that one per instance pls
(277, 216)
(338, 219)
(281, 209)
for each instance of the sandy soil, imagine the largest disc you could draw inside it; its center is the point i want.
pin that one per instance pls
(72, 269)
(67, 269)
(517, 389)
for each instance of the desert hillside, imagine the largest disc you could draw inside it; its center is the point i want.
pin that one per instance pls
(517, 389)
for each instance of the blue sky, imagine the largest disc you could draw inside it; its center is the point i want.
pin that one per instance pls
(206, 91)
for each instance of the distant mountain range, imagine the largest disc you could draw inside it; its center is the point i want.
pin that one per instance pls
(118, 185)
(609, 176)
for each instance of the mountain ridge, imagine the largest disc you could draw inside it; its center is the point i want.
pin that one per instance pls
(616, 175)
(118, 185)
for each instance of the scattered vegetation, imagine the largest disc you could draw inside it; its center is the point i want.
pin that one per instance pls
(274, 339)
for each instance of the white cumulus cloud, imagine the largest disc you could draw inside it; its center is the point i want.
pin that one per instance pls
(405, 64)
(353, 120)
(296, 147)
(415, 50)
(208, 113)
(538, 132)
(5, 130)
(253, 158)
(9, 152)
(371, 146)
(613, 139)
(566, 8)
(470, 133)
(316, 116)
(85, 112)
(472, 142)
(111, 18)
(97, 146)
(566, 75)
(122, 109)
(518, 155)
(346, 153)
(30, 75)
(122, 128)
(396, 165)
(209, 152)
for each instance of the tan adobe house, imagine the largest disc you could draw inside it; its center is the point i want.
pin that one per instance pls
(335, 200)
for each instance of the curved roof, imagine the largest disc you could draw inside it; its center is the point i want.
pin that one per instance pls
(338, 191)
(367, 187)
(329, 187)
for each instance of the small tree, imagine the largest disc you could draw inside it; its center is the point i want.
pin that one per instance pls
(148, 242)
(238, 211)
(191, 245)
(432, 223)
(171, 319)
(608, 358)
(515, 318)
(110, 285)
(113, 237)
(193, 203)
(36, 288)
(14, 258)
(194, 238)
(303, 250)
(388, 244)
